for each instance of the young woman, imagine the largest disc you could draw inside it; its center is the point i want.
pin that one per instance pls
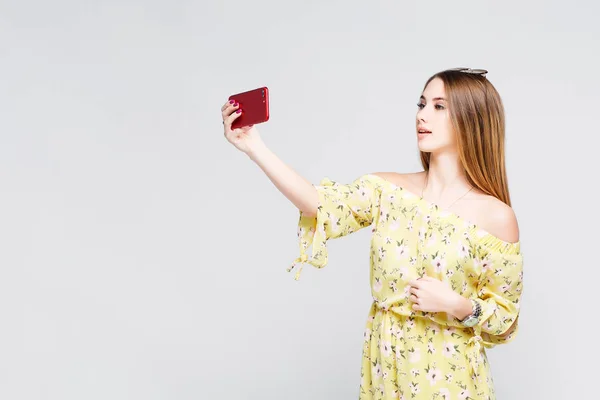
(446, 265)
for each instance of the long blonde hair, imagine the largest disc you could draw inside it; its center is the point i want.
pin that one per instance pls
(477, 117)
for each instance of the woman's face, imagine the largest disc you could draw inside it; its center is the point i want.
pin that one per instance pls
(433, 117)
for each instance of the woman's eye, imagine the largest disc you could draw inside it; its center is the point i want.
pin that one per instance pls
(420, 105)
(441, 107)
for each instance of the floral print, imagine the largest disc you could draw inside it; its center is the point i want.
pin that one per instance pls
(411, 354)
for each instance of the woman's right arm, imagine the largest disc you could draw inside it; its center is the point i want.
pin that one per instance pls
(247, 139)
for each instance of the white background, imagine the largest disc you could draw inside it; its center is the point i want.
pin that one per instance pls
(143, 257)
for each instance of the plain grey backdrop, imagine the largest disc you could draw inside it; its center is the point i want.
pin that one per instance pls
(143, 257)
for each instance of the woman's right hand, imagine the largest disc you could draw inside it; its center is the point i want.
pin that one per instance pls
(244, 139)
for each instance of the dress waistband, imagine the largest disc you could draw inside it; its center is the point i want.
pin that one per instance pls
(473, 345)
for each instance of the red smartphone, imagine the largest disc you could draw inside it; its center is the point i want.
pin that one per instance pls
(255, 107)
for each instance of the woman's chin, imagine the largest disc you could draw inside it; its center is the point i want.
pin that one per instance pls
(426, 147)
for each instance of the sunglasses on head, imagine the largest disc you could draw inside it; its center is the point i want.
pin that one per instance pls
(481, 72)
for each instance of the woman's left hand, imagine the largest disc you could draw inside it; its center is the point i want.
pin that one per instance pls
(432, 295)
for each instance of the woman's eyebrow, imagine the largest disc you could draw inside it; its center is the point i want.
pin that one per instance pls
(434, 99)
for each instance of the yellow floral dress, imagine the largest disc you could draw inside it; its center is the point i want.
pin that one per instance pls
(411, 354)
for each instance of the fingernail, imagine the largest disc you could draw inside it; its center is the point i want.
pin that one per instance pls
(236, 104)
(239, 111)
(231, 101)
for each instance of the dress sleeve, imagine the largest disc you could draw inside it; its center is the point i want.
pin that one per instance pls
(342, 209)
(499, 291)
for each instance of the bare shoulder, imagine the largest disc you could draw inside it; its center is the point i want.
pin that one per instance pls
(488, 212)
(411, 181)
(499, 219)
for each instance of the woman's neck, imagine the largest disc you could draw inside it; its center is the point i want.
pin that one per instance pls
(445, 176)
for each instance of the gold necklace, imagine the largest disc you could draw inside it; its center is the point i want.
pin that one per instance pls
(447, 208)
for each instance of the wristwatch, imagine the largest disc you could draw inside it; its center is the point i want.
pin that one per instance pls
(472, 319)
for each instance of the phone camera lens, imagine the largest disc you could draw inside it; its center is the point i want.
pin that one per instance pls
(263, 93)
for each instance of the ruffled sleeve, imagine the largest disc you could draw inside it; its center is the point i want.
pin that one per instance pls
(342, 209)
(499, 291)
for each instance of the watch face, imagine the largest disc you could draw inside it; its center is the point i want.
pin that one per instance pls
(470, 322)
